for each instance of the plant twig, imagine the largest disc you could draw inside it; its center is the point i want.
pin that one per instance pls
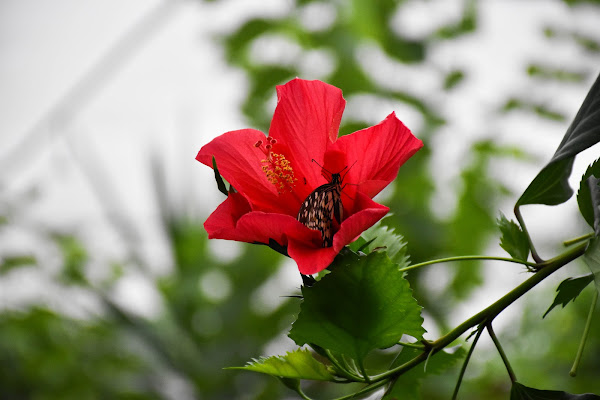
(467, 258)
(576, 240)
(466, 362)
(511, 372)
(586, 331)
(534, 253)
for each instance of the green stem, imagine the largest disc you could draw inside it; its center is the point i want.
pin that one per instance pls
(467, 258)
(341, 369)
(546, 269)
(511, 372)
(466, 362)
(412, 345)
(534, 253)
(365, 390)
(586, 331)
(576, 240)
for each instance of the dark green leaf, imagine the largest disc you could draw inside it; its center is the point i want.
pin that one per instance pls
(569, 289)
(219, 179)
(513, 239)
(362, 305)
(520, 392)
(588, 197)
(592, 259)
(407, 386)
(453, 78)
(299, 364)
(551, 185)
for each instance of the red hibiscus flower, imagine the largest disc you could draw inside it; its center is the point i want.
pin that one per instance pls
(274, 175)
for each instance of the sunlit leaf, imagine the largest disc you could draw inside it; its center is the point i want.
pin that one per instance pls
(513, 239)
(551, 185)
(362, 305)
(521, 392)
(569, 289)
(299, 364)
(383, 238)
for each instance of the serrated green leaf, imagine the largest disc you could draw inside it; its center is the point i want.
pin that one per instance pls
(588, 196)
(513, 239)
(362, 305)
(592, 259)
(382, 237)
(569, 289)
(521, 392)
(551, 185)
(299, 364)
(407, 386)
(220, 183)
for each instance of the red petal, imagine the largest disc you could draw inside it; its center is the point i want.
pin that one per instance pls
(366, 214)
(379, 151)
(239, 162)
(233, 220)
(307, 119)
(312, 259)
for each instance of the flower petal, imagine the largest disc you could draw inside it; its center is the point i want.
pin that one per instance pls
(234, 220)
(239, 162)
(378, 151)
(307, 119)
(366, 214)
(312, 259)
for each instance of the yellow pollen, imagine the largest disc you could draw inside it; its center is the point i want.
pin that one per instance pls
(279, 172)
(275, 166)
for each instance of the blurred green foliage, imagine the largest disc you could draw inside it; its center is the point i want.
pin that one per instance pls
(45, 354)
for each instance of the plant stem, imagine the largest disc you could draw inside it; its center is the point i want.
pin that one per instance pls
(511, 372)
(467, 258)
(413, 345)
(546, 269)
(465, 363)
(586, 331)
(534, 253)
(341, 369)
(570, 242)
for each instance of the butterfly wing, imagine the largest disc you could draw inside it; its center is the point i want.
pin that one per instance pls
(320, 208)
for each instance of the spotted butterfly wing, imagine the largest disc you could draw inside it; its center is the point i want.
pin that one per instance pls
(321, 207)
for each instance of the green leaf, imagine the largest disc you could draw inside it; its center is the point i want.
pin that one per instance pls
(382, 237)
(12, 262)
(407, 386)
(74, 259)
(569, 289)
(592, 259)
(513, 239)
(588, 196)
(551, 185)
(521, 392)
(220, 183)
(299, 364)
(362, 305)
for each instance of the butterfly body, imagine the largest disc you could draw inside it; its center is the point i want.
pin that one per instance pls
(321, 207)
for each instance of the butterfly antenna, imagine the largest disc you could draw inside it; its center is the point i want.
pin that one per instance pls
(323, 169)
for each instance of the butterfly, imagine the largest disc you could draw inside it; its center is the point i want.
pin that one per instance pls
(323, 205)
